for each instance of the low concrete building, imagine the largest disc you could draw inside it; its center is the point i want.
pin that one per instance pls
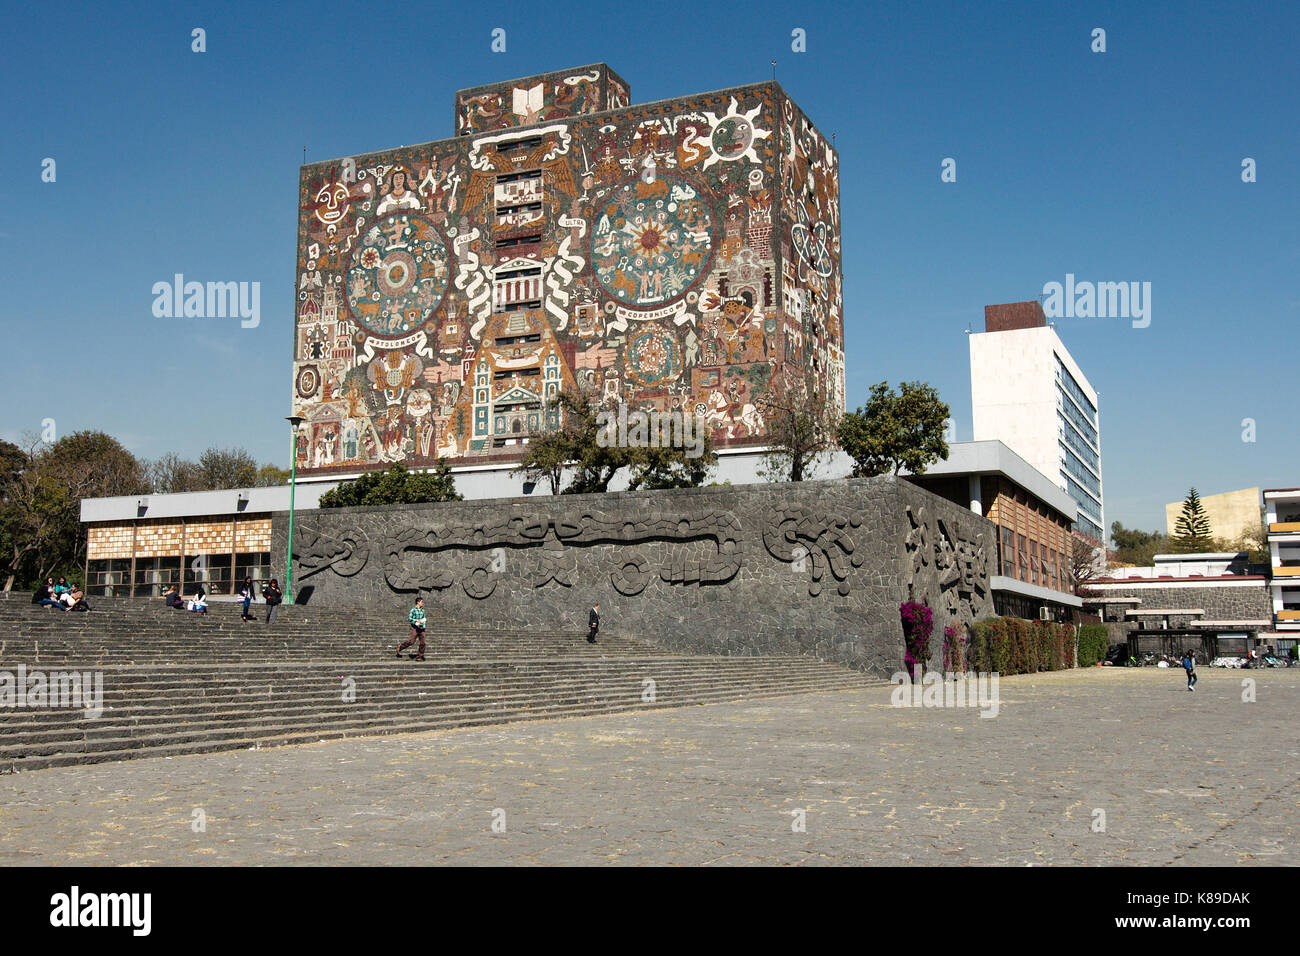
(140, 545)
(1197, 602)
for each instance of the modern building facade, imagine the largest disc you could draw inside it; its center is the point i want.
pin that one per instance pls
(1028, 392)
(1282, 514)
(1034, 520)
(676, 256)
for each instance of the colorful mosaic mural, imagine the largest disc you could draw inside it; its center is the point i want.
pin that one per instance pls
(675, 256)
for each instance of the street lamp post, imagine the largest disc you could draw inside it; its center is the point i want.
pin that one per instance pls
(295, 421)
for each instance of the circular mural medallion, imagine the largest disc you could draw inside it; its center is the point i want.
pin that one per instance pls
(653, 358)
(308, 381)
(651, 241)
(398, 275)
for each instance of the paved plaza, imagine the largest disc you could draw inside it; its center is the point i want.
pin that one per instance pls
(1182, 778)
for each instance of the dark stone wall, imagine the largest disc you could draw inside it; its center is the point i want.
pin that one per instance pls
(1219, 603)
(814, 568)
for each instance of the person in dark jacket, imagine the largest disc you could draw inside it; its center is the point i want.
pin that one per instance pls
(1189, 665)
(44, 595)
(593, 623)
(246, 592)
(173, 597)
(273, 596)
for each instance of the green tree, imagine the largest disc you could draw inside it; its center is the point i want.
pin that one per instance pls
(172, 474)
(548, 454)
(896, 431)
(228, 468)
(1137, 547)
(1192, 529)
(396, 486)
(596, 457)
(659, 468)
(800, 424)
(587, 441)
(40, 510)
(269, 476)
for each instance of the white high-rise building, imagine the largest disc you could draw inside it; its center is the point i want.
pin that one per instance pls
(1028, 393)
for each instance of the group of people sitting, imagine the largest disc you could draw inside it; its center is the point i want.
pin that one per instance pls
(60, 594)
(271, 593)
(69, 597)
(196, 602)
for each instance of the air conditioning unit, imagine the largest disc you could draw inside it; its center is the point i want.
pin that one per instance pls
(1044, 613)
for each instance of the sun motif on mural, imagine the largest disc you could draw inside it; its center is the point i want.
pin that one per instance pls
(398, 275)
(652, 241)
(735, 135)
(653, 358)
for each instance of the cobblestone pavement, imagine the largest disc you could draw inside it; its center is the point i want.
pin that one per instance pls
(1199, 778)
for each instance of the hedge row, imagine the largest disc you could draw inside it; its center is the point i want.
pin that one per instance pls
(1094, 641)
(1012, 645)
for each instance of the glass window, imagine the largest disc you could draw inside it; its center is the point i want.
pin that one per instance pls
(210, 570)
(256, 566)
(155, 575)
(109, 577)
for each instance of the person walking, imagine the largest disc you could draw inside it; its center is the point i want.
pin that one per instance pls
(273, 596)
(246, 592)
(593, 623)
(1189, 665)
(416, 619)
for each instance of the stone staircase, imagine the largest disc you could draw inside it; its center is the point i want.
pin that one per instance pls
(178, 683)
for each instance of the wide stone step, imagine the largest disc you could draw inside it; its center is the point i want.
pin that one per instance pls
(184, 683)
(395, 725)
(170, 723)
(184, 694)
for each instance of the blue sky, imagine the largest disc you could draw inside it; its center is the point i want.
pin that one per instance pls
(1115, 166)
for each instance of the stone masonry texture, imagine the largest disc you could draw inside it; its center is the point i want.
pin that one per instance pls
(815, 568)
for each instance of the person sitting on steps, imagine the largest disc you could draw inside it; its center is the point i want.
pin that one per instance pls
(44, 596)
(173, 597)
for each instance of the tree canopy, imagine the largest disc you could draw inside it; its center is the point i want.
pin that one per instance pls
(41, 487)
(585, 442)
(396, 486)
(800, 423)
(896, 431)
